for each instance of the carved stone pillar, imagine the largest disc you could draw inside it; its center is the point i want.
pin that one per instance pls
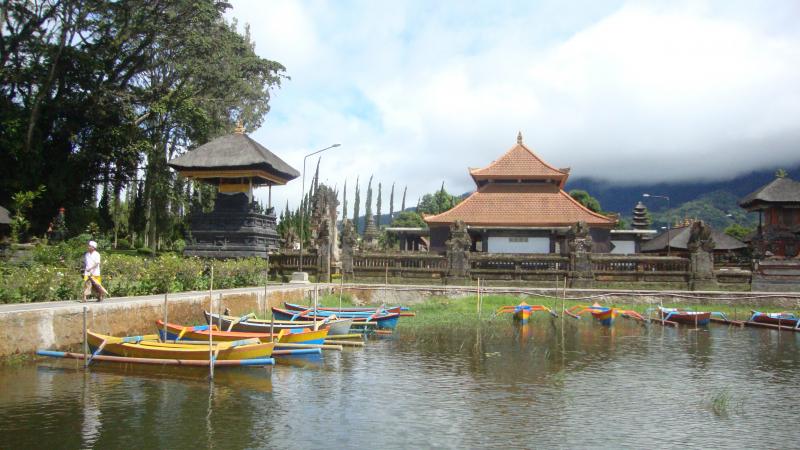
(458, 254)
(701, 256)
(581, 274)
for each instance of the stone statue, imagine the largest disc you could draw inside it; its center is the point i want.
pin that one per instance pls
(349, 242)
(289, 238)
(458, 250)
(700, 238)
(701, 257)
(580, 264)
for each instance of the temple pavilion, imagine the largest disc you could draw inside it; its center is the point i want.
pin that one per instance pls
(520, 206)
(236, 165)
(778, 206)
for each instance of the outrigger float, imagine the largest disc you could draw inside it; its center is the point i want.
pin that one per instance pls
(781, 321)
(603, 314)
(523, 312)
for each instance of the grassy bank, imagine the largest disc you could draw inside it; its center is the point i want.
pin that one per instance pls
(464, 310)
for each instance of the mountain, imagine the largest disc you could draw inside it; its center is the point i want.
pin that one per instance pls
(715, 202)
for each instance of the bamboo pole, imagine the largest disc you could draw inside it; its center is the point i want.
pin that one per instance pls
(344, 343)
(341, 291)
(85, 339)
(210, 323)
(166, 316)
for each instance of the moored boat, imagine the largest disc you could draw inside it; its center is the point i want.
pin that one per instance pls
(785, 319)
(523, 311)
(380, 320)
(685, 316)
(142, 348)
(351, 309)
(335, 326)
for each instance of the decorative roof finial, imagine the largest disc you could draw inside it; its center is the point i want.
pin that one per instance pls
(519, 138)
(239, 127)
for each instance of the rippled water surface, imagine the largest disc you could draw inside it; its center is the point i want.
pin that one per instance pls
(506, 386)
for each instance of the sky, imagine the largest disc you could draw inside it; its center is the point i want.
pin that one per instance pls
(416, 92)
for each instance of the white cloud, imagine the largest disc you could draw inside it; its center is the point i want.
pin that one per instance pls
(417, 92)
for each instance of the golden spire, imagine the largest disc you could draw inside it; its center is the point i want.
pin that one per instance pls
(519, 138)
(239, 127)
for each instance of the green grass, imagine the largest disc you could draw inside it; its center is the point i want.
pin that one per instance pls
(463, 310)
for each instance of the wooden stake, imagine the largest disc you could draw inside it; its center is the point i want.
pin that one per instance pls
(85, 339)
(341, 291)
(210, 323)
(166, 316)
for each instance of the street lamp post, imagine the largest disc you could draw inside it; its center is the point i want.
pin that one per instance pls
(668, 225)
(302, 193)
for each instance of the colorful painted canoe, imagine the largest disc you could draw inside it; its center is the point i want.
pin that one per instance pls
(523, 311)
(351, 309)
(200, 333)
(603, 314)
(137, 348)
(782, 318)
(685, 316)
(384, 321)
(334, 326)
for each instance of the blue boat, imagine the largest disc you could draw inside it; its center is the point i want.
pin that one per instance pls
(381, 320)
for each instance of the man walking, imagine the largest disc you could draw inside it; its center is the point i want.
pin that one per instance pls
(91, 273)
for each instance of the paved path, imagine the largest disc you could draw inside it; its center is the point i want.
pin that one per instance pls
(36, 306)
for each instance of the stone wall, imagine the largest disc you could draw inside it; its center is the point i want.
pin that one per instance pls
(59, 325)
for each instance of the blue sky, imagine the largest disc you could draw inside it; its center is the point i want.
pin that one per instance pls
(418, 91)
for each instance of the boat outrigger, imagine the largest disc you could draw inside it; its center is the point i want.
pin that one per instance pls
(524, 311)
(783, 320)
(603, 314)
(688, 316)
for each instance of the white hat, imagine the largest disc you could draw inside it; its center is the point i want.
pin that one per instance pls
(93, 244)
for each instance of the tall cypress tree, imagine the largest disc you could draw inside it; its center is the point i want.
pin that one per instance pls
(368, 206)
(344, 200)
(391, 204)
(403, 204)
(378, 222)
(356, 205)
(104, 211)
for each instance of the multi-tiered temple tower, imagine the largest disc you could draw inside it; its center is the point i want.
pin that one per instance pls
(235, 228)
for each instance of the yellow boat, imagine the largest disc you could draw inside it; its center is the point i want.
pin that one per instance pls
(149, 347)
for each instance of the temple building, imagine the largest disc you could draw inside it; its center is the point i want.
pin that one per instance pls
(675, 242)
(520, 206)
(778, 207)
(235, 228)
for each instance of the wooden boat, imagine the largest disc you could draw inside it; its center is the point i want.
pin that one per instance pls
(383, 321)
(685, 316)
(335, 326)
(785, 319)
(153, 349)
(200, 333)
(160, 361)
(603, 314)
(523, 311)
(404, 311)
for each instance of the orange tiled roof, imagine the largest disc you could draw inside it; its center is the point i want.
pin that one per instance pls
(520, 205)
(519, 163)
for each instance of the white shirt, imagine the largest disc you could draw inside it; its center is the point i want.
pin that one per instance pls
(91, 263)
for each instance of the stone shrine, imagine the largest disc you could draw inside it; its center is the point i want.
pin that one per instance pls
(236, 228)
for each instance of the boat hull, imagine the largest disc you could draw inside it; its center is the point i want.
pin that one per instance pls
(605, 316)
(687, 317)
(159, 350)
(385, 321)
(774, 319)
(337, 311)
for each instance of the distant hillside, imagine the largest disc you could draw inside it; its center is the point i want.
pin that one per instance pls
(709, 201)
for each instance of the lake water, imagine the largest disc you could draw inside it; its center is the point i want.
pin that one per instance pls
(505, 386)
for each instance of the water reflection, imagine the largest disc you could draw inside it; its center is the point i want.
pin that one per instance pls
(456, 387)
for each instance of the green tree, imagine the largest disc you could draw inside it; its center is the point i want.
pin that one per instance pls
(23, 202)
(105, 221)
(356, 205)
(391, 204)
(738, 231)
(437, 203)
(586, 200)
(368, 204)
(344, 200)
(403, 203)
(378, 209)
(408, 219)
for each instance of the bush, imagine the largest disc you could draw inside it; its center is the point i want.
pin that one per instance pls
(55, 274)
(123, 244)
(145, 251)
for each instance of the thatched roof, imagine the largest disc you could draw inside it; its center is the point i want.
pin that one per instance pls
(679, 239)
(5, 216)
(234, 152)
(779, 190)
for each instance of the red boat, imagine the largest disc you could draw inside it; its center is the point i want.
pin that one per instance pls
(685, 316)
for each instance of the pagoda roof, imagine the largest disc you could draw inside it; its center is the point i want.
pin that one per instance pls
(515, 205)
(520, 163)
(779, 190)
(679, 238)
(234, 155)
